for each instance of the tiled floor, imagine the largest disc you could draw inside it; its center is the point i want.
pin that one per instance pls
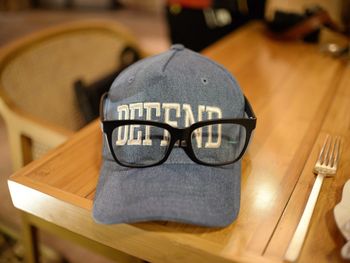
(150, 30)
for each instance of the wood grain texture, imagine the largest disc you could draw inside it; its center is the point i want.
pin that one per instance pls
(323, 234)
(291, 87)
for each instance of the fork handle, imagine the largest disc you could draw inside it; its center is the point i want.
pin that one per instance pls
(297, 241)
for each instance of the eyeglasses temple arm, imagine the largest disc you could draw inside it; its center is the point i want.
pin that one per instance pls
(248, 109)
(102, 102)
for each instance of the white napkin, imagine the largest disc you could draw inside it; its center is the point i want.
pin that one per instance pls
(345, 251)
(342, 218)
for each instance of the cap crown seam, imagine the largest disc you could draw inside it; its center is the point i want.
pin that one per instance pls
(168, 61)
(221, 68)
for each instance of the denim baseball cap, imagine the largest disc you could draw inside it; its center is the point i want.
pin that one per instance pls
(178, 86)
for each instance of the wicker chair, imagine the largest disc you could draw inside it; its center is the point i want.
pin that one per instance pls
(38, 103)
(37, 73)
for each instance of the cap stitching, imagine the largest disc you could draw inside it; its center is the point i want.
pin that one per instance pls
(166, 64)
(131, 67)
(222, 68)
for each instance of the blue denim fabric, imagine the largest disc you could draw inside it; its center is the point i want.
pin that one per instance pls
(178, 190)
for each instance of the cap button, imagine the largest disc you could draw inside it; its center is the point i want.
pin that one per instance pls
(177, 47)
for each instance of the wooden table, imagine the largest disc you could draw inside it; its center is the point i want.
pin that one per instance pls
(298, 95)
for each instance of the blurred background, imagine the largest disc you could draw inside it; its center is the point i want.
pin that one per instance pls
(58, 56)
(22, 18)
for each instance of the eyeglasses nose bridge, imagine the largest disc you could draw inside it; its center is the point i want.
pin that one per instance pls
(182, 143)
(181, 138)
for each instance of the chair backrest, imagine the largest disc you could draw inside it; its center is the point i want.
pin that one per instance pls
(37, 73)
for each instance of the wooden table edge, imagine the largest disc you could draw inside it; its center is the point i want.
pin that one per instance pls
(128, 237)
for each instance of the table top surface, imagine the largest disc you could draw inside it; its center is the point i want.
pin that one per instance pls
(298, 94)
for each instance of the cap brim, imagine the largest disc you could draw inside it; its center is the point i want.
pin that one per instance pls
(188, 193)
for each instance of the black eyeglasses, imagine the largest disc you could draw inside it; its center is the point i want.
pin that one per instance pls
(143, 143)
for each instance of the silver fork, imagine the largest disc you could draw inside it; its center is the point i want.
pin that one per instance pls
(326, 165)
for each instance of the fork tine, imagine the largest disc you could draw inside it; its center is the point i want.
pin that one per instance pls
(321, 156)
(328, 151)
(336, 151)
(333, 145)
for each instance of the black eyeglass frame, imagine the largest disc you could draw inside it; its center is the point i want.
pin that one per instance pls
(178, 134)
